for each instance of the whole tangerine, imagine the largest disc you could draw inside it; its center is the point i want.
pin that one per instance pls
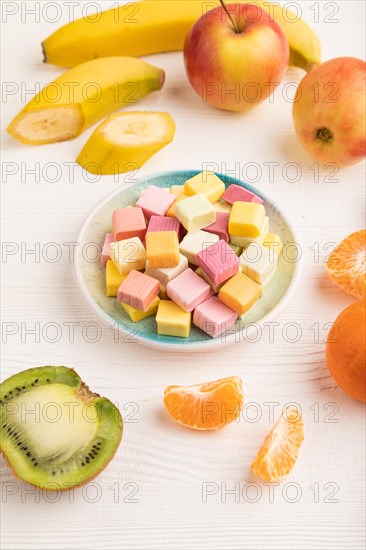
(346, 350)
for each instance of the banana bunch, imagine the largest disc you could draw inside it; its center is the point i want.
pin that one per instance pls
(154, 26)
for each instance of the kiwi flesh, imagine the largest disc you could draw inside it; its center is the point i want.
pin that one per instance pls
(54, 432)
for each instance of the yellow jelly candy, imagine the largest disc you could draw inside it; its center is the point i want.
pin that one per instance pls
(240, 293)
(273, 242)
(246, 219)
(113, 279)
(206, 183)
(128, 254)
(173, 320)
(136, 315)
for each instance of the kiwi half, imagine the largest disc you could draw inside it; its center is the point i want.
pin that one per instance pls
(54, 432)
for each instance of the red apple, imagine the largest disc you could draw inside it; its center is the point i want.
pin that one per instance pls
(329, 111)
(234, 61)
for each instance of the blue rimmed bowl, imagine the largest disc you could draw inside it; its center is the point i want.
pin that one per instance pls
(90, 275)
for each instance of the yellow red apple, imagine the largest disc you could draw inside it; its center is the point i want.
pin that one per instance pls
(234, 59)
(329, 111)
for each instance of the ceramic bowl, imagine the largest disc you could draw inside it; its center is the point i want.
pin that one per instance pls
(90, 275)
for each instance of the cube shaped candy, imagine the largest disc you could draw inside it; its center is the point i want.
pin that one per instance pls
(166, 189)
(206, 183)
(243, 242)
(219, 262)
(258, 263)
(188, 290)
(162, 248)
(268, 281)
(166, 274)
(214, 317)
(105, 250)
(173, 320)
(164, 223)
(127, 223)
(171, 211)
(128, 254)
(236, 193)
(237, 248)
(138, 290)
(273, 242)
(193, 243)
(136, 315)
(240, 293)
(162, 294)
(113, 279)
(222, 206)
(246, 219)
(155, 201)
(220, 226)
(177, 190)
(195, 213)
(215, 288)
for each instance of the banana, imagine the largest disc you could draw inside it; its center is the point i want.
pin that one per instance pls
(155, 26)
(125, 141)
(83, 95)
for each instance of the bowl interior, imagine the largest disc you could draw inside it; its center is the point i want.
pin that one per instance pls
(91, 275)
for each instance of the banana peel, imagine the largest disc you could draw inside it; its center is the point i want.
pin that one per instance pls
(156, 26)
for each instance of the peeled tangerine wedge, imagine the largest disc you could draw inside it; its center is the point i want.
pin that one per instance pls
(346, 265)
(206, 406)
(278, 453)
(125, 141)
(56, 433)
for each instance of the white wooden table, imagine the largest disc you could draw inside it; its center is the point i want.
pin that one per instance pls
(169, 487)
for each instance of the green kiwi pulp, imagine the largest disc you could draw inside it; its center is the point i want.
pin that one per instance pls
(54, 432)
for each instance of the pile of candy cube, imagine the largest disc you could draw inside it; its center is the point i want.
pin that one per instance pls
(190, 253)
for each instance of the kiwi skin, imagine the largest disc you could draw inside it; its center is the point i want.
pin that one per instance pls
(25, 381)
(57, 489)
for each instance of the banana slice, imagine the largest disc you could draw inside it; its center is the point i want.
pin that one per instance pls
(125, 141)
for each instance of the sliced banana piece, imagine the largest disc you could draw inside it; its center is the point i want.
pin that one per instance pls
(82, 96)
(125, 141)
(48, 125)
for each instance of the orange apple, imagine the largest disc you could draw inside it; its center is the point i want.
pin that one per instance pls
(235, 56)
(329, 111)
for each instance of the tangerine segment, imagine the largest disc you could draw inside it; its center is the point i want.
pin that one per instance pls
(346, 266)
(278, 453)
(206, 406)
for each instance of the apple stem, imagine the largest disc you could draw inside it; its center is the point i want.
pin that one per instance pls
(233, 22)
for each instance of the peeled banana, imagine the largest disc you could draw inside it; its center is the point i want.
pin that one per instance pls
(83, 95)
(125, 141)
(154, 26)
